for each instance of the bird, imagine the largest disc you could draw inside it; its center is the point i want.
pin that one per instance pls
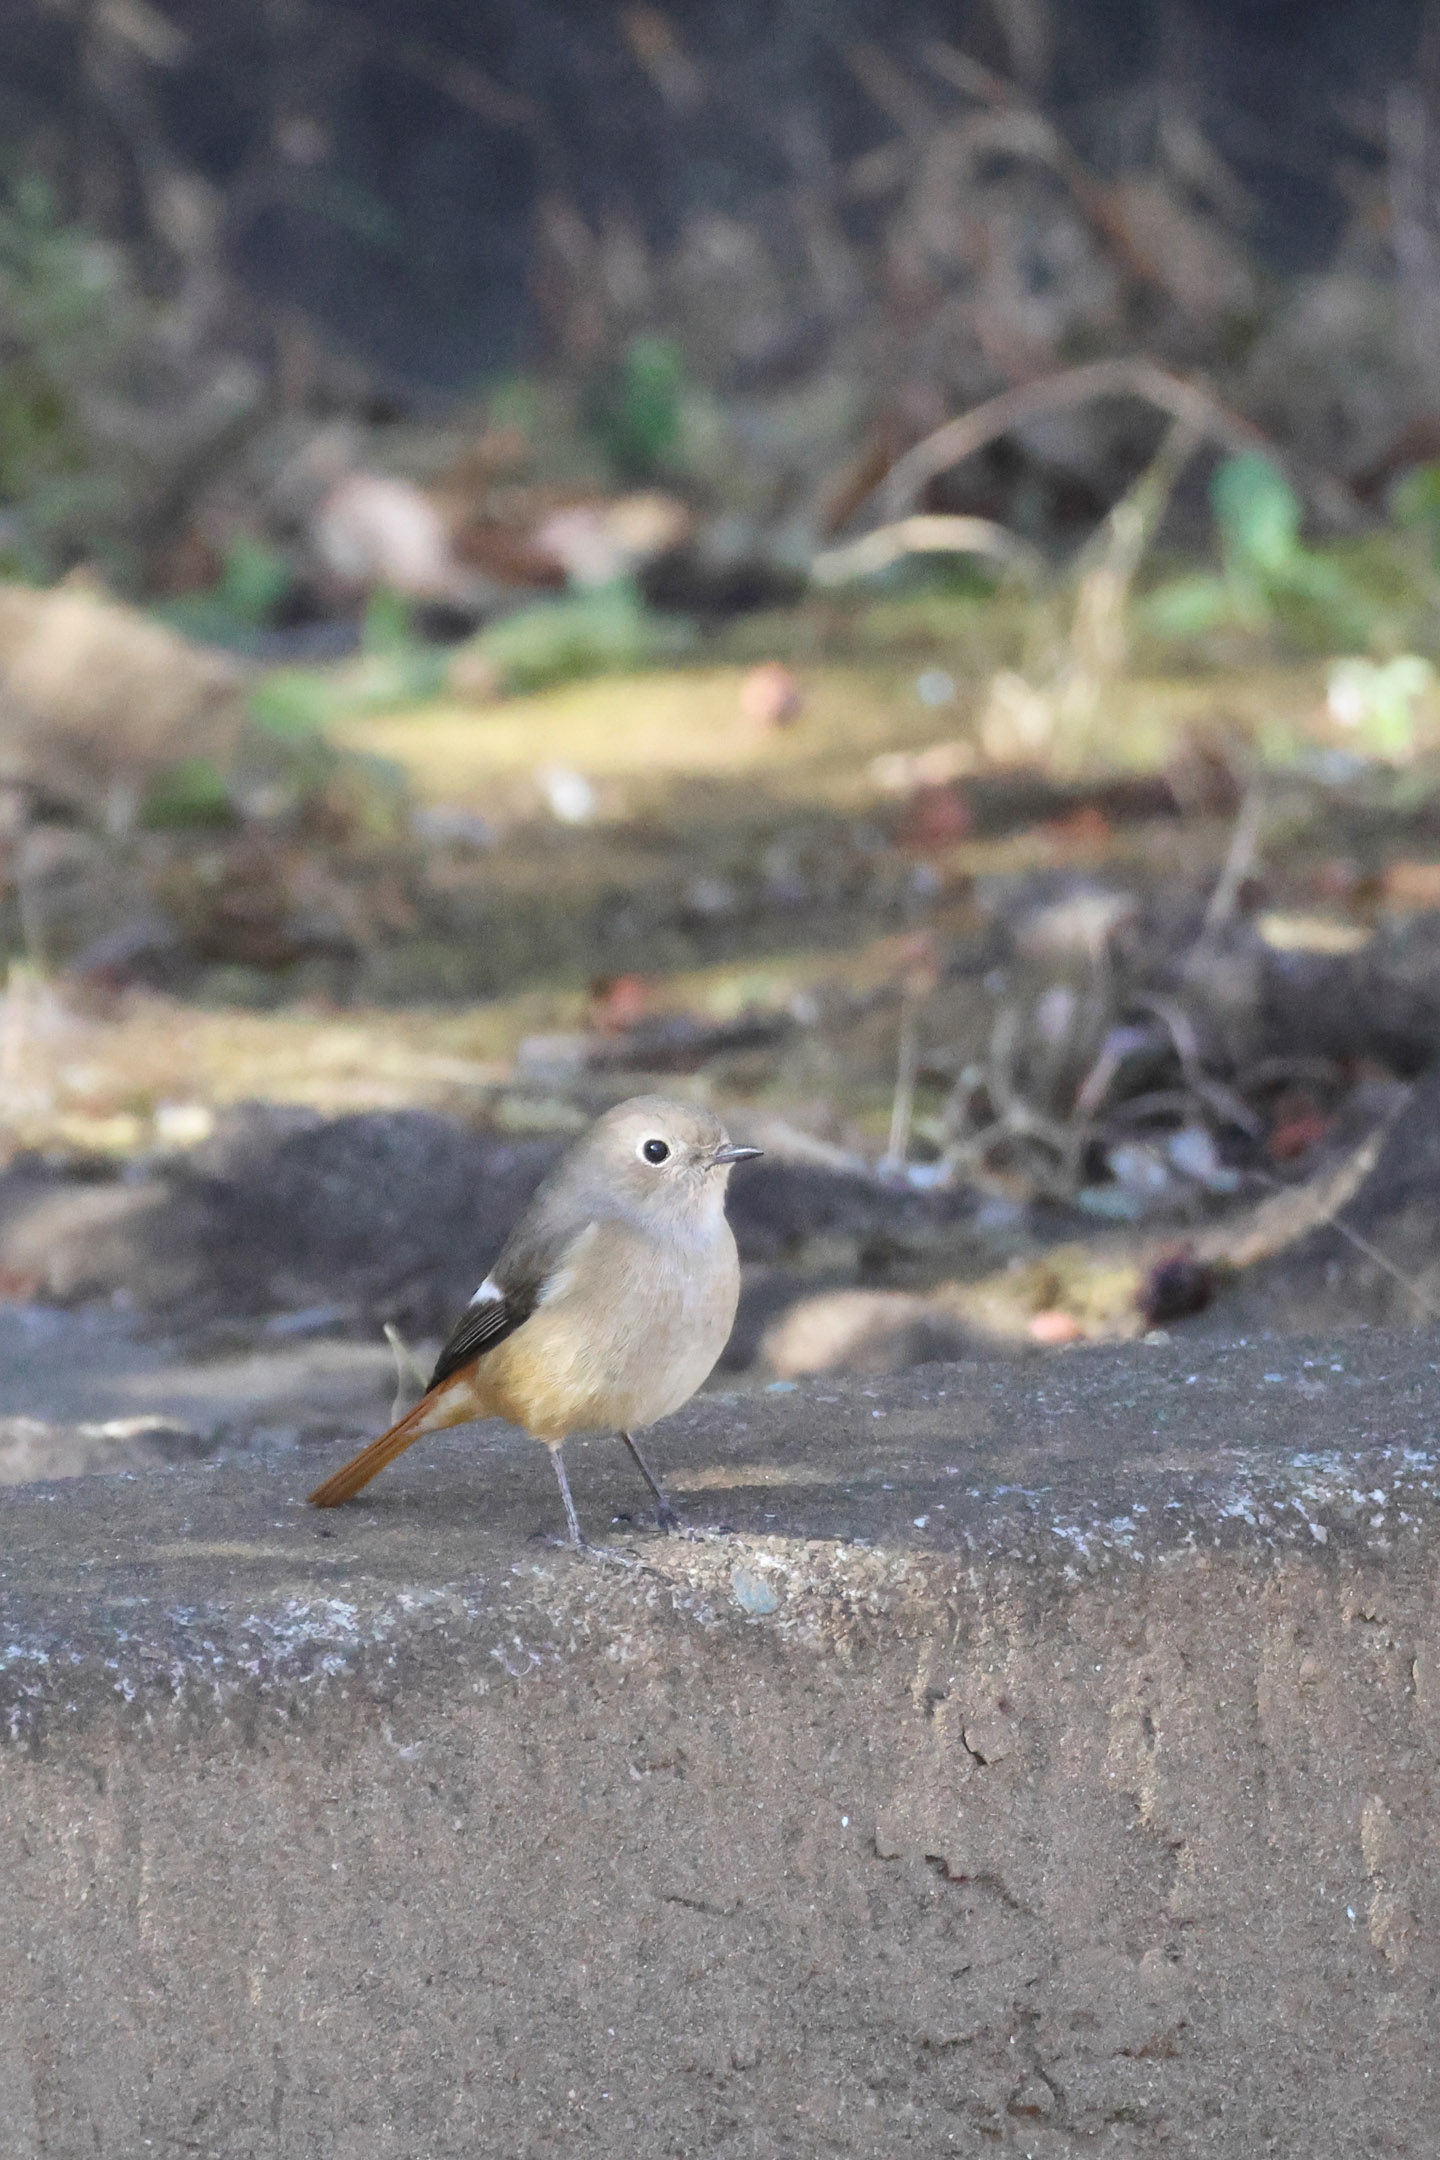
(609, 1305)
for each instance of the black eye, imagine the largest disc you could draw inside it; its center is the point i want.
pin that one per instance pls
(655, 1151)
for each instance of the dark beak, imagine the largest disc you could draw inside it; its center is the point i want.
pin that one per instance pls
(731, 1153)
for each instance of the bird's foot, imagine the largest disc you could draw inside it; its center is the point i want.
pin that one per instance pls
(587, 1549)
(629, 1561)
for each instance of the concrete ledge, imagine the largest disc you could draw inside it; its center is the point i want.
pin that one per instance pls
(1043, 1759)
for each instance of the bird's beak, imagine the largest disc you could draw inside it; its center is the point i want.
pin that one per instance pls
(731, 1153)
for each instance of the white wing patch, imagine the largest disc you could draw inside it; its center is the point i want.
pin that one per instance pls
(489, 1293)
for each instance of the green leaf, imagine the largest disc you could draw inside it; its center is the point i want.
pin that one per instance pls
(603, 631)
(254, 581)
(387, 627)
(192, 792)
(1415, 504)
(638, 416)
(1258, 513)
(1187, 606)
(294, 703)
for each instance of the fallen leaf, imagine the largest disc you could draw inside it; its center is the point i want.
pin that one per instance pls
(1088, 825)
(770, 697)
(1298, 1127)
(1412, 886)
(618, 1002)
(935, 817)
(1314, 933)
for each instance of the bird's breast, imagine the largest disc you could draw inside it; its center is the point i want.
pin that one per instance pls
(628, 1339)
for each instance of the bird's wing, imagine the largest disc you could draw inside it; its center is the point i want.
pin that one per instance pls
(536, 1260)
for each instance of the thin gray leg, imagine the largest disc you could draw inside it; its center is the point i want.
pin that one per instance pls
(665, 1515)
(570, 1516)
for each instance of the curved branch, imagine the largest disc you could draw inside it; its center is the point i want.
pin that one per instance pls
(1144, 379)
(927, 536)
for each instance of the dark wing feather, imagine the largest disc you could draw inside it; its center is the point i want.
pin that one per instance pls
(478, 1329)
(533, 1255)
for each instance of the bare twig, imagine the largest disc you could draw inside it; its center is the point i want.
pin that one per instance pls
(1292, 1212)
(453, 78)
(1178, 1025)
(1214, 1093)
(902, 1107)
(927, 536)
(1120, 543)
(971, 77)
(1000, 1064)
(1290, 1071)
(1104, 575)
(151, 33)
(15, 1016)
(1155, 1103)
(1119, 1044)
(1045, 141)
(1136, 378)
(1343, 1186)
(1410, 163)
(892, 90)
(1018, 1118)
(1372, 1252)
(1239, 860)
(465, 84)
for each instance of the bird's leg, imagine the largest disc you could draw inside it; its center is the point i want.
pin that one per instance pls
(570, 1516)
(665, 1515)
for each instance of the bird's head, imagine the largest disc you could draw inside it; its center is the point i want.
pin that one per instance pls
(667, 1161)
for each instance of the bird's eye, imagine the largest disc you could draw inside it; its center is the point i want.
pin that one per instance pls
(655, 1151)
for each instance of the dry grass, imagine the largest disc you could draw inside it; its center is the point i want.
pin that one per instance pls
(635, 737)
(151, 1072)
(639, 739)
(123, 1082)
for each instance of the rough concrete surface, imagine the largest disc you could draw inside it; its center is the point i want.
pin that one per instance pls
(88, 1392)
(1029, 1759)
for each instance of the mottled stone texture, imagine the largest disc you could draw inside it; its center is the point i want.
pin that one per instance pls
(1042, 1760)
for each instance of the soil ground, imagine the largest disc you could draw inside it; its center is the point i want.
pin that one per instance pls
(740, 914)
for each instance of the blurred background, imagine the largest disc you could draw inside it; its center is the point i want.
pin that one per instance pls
(874, 564)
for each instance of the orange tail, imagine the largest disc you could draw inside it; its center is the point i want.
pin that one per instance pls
(371, 1460)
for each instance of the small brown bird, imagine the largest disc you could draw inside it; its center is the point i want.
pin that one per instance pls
(612, 1299)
